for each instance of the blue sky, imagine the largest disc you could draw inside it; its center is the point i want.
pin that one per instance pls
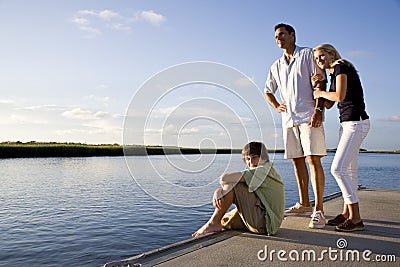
(70, 69)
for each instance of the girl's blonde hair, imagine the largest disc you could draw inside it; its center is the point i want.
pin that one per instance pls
(336, 58)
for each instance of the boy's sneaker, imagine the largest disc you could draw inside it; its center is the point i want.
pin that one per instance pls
(337, 220)
(298, 209)
(317, 220)
(349, 226)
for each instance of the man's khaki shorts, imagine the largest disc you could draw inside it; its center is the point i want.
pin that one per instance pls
(249, 213)
(303, 140)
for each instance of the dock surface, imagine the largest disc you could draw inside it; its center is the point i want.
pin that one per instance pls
(294, 243)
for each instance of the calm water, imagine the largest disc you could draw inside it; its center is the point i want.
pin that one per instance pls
(89, 211)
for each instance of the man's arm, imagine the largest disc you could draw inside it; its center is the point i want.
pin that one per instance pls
(319, 84)
(317, 118)
(274, 103)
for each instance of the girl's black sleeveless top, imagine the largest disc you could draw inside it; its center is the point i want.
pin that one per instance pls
(352, 108)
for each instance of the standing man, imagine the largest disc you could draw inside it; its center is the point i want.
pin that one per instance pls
(303, 132)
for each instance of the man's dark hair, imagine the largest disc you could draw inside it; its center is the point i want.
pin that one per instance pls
(255, 148)
(289, 28)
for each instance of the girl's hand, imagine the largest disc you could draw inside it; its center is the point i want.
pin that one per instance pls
(317, 94)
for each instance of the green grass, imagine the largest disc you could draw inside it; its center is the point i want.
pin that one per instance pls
(27, 150)
(33, 149)
(36, 150)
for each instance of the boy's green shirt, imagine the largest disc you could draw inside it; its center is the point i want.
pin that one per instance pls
(267, 184)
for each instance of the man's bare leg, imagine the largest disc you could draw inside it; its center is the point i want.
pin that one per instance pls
(317, 180)
(301, 172)
(214, 223)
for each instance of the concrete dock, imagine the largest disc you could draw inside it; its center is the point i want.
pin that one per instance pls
(294, 243)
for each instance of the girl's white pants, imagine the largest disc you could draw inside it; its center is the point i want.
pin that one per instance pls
(344, 166)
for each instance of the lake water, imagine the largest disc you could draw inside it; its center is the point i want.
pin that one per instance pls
(89, 211)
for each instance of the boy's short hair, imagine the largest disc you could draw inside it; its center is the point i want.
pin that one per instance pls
(255, 148)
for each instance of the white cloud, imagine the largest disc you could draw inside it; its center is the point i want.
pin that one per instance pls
(193, 130)
(90, 30)
(108, 128)
(51, 122)
(244, 82)
(69, 132)
(103, 14)
(81, 131)
(17, 119)
(6, 101)
(152, 17)
(93, 22)
(87, 12)
(105, 100)
(85, 24)
(80, 21)
(162, 112)
(120, 27)
(13, 119)
(42, 107)
(12, 113)
(107, 14)
(82, 114)
(394, 118)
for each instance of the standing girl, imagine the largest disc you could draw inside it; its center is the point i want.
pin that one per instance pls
(345, 89)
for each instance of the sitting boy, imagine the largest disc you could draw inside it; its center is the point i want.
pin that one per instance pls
(257, 193)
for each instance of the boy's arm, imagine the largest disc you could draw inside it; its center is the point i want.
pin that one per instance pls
(227, 181)
(231, 178)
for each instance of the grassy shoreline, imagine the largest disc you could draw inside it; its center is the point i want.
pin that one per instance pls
(40, 150)
(36, 150)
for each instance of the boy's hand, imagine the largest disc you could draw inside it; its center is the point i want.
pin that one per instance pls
(218, 194)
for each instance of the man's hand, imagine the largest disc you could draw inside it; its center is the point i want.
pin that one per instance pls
(316, 119)
(281, 108)
(316, 79)
(274, 103)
